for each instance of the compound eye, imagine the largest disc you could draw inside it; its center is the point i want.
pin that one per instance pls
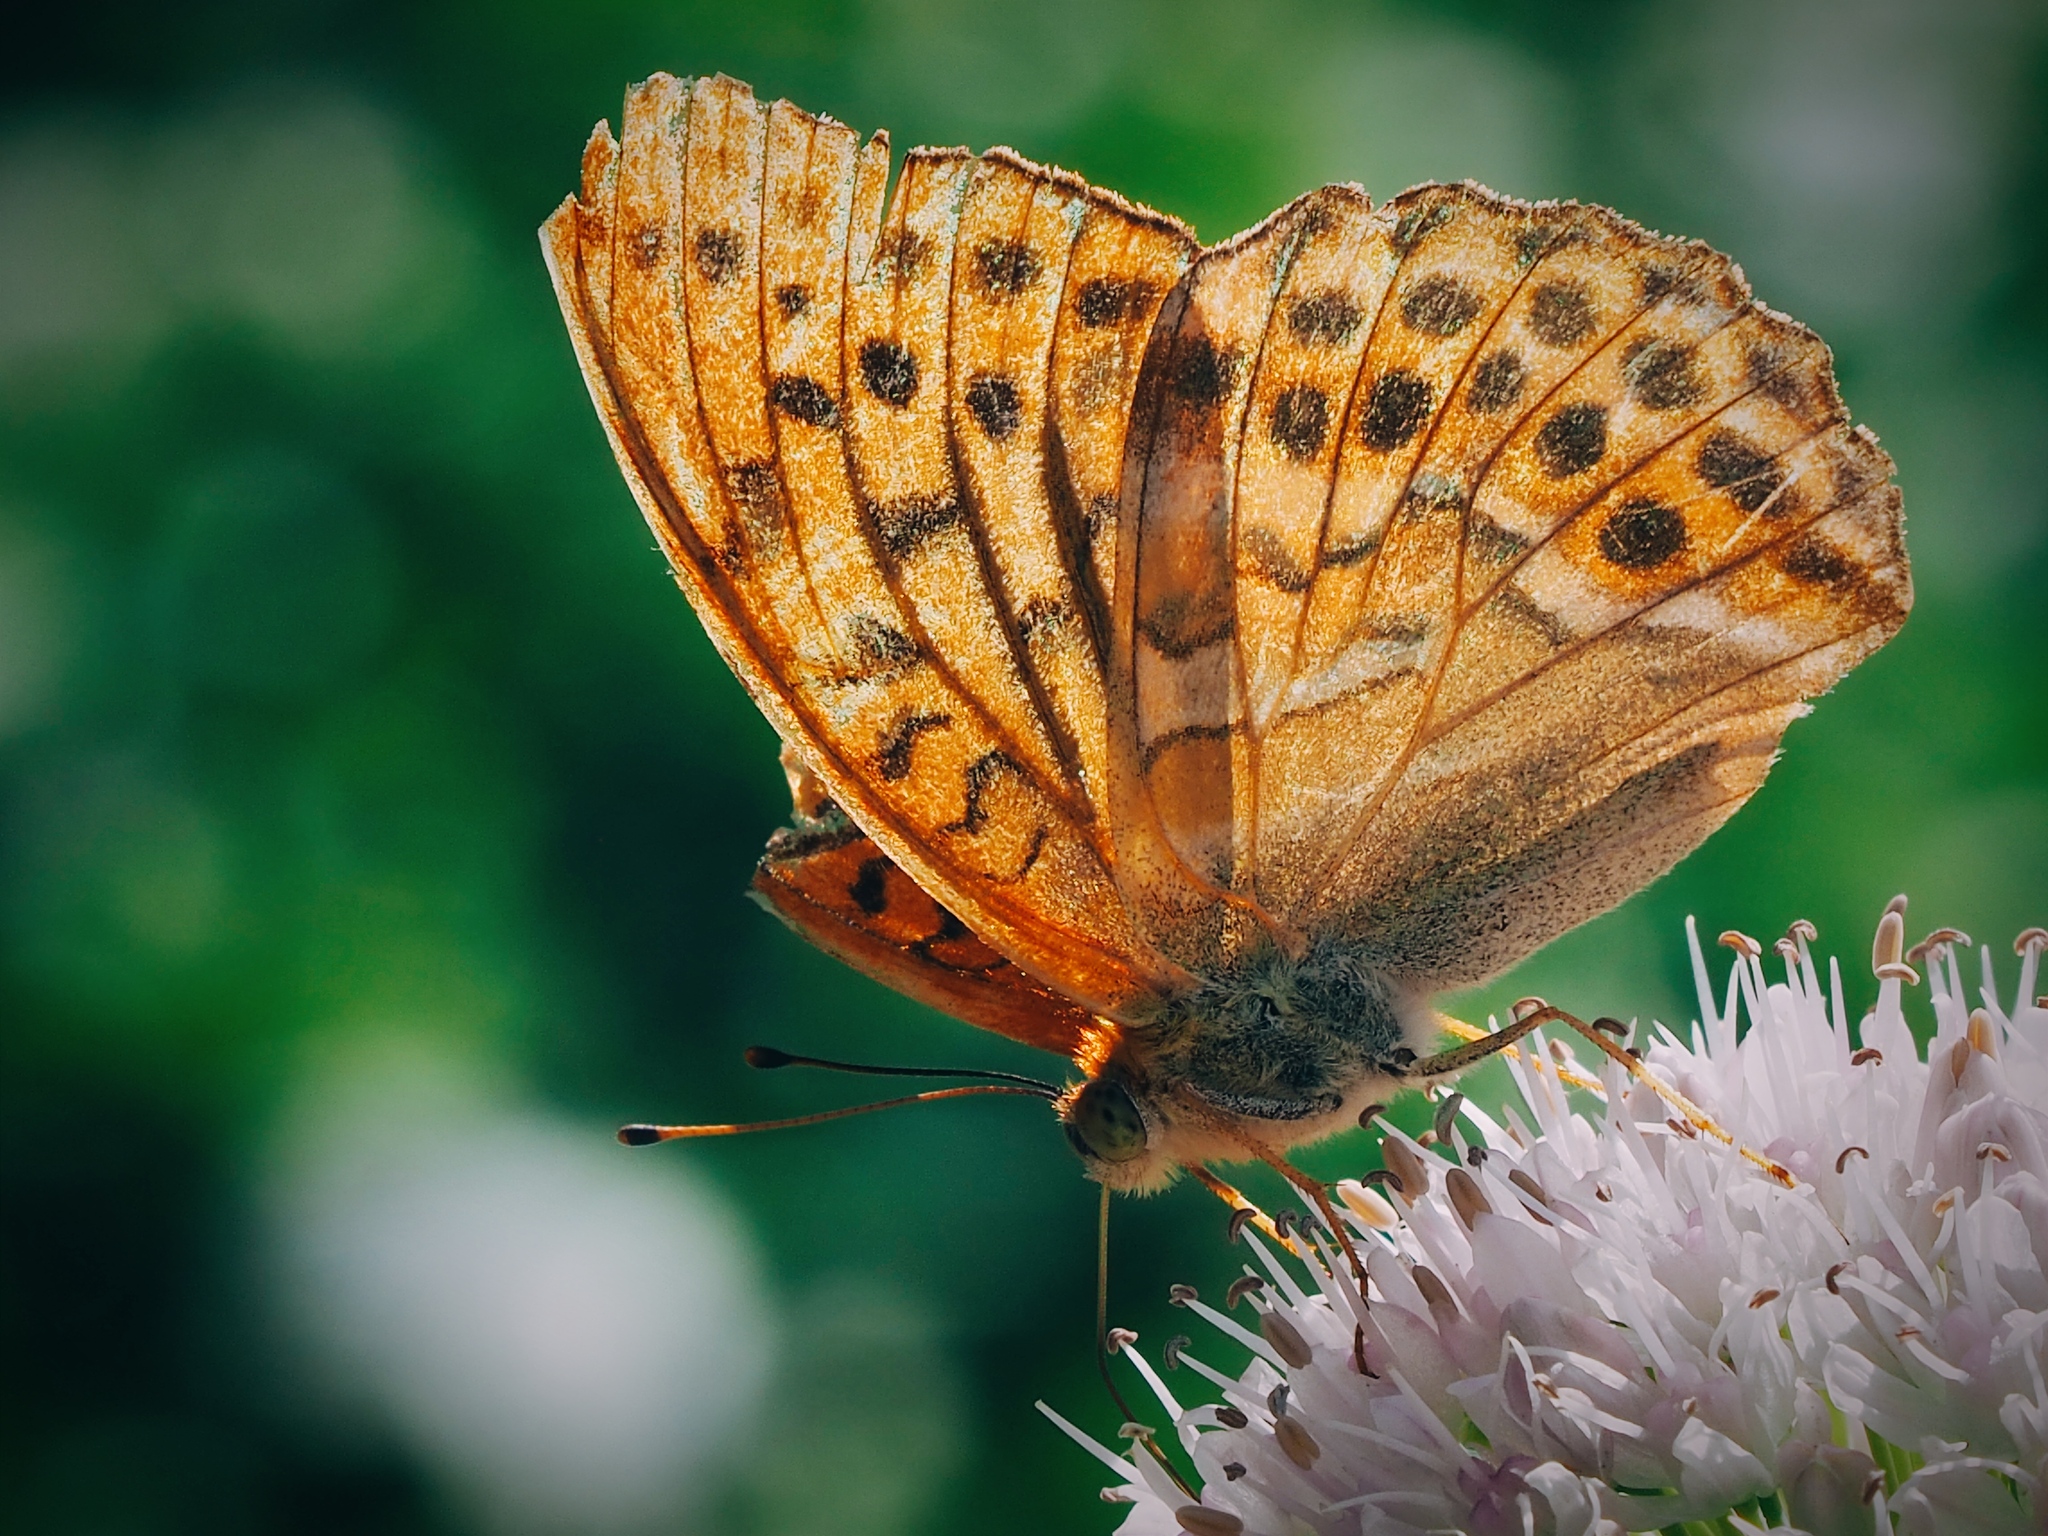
(1104, 1120)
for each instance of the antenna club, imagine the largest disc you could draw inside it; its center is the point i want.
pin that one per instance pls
(639, 1135)
(767, 1057)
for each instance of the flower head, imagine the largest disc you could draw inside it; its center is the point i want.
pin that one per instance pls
(1591, 1323)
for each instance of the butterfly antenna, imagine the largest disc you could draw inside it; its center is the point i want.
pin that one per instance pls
(647, 1135)
(769, 1059)
(1534, 1012)
(1138, 1431)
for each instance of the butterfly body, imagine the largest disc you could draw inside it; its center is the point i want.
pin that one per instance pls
(1192, 660)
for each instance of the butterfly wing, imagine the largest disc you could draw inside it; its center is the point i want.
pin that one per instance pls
(882, 452)
(1484, 553)
(830, 882)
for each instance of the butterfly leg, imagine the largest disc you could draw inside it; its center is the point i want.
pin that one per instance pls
(1531, 1017)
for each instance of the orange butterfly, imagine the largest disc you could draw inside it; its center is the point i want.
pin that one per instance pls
(1192, 660)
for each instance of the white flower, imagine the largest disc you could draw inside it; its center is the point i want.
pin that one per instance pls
(1580, 1324)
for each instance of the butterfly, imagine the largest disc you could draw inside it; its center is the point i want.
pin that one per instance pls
(1192, 660)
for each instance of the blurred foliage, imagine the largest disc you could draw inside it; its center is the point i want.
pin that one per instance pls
(343, 699)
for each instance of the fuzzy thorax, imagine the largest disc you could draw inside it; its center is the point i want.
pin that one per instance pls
(1269, 1054)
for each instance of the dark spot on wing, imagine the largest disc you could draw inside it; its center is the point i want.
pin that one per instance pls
(1100, 515)
(1270, 559)
(1660, 278)
(879, 648)
(1440, 305)
(870, 888)
(1395, 411)
(792, 299)
(901, 526)
(1531, 243)
(1496, 382)
(905, 252)
(1573, 440)
(1641, 535)
(1202, 375)
(1518, 605)
(1813, 559)
(1661, 374)
(1416, 224)
(1005, 268)
(1561, 314)
(889, 371)
(643, 246)
(1350, 551)
(981, 774)
(993, 401)
(1490, 542)
(757, 491)
(892, 752)
(1730, 462)
(804, 399)
(1181, 624)
(1106, 301)
(1043, 615)
(1326, 319)
(1301, 421)
(719, 254)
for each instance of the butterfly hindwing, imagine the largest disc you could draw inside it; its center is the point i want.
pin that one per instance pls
(832, 884)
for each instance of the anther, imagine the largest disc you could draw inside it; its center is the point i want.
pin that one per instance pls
(1358, 1350)
(1787, 950)
(1114, 1341)
(1764, 1297)
(1240, 1218)
(1384, 1176)
(1276, 1400)
(1869, 1053)
(1233, 1470)
(1603, 1194)
(1683, 1128)
(1171, 1352)
(1994, 1149)
(1405, 1166)
(1475, 1155)
(1887, 950)
(1434, 1291)
(1447, 1115)
(1283, 1221)
(1370, 1113)
(1132, 1430)
(1298, 1443)
(1200, 1520)
(1467, 1198)
(1179, 1295)
(1612, 1027)
(1802, 930)
(2032, 938)
(1834, 1273)
(1741, 943)
(1231, 1418)
(1842, 1161)
(1241, 1287)
(1286, 1339)
(1943, 1204)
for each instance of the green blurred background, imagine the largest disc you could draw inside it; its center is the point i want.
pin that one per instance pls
(374, 816)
